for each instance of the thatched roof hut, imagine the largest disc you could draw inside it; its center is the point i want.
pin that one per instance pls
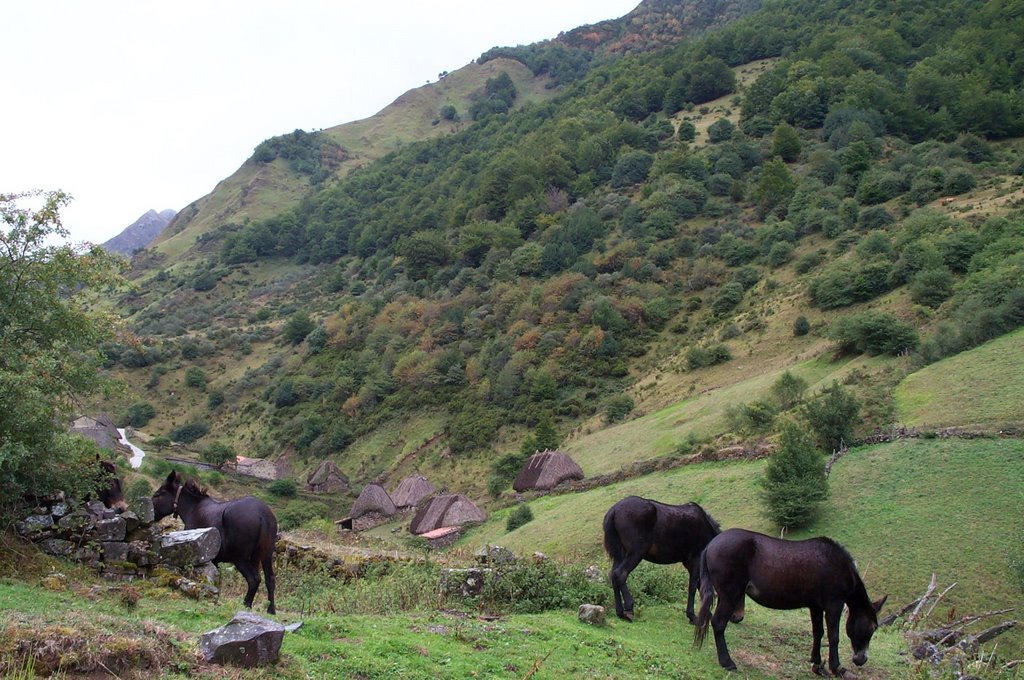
(373, 498)
(374, 506)
(448, 510)
(327, 478)
(546, 470)
(411, 490)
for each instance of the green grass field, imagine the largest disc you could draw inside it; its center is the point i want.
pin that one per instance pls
(983, 387)
(904, 510)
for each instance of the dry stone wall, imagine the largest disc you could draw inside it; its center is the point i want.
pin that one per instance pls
(124, 546)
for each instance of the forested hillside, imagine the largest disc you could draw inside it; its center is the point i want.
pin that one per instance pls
(816, 178)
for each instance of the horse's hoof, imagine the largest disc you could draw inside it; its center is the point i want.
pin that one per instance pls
(818, 669)
(845, 674)
(691, 618)
(628, 616)
(731, 666)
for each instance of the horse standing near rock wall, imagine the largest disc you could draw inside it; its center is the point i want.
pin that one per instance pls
(247, 526)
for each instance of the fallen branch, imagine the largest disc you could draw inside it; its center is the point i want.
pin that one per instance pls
(912, 620)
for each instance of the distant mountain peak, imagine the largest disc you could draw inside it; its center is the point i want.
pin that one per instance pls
(140, 233)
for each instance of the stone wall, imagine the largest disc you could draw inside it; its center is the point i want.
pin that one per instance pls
(124, 546)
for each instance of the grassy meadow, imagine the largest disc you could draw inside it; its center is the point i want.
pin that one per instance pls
(980, 388)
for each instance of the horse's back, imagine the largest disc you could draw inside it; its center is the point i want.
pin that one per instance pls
(248, 526)
(777, 573)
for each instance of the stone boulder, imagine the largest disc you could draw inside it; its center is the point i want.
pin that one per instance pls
(191, 547)
(592, 614)
(494, 554)
(247, 641)
(465, 583)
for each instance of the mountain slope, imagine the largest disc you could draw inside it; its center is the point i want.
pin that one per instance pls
(640, 248)
(140, 233)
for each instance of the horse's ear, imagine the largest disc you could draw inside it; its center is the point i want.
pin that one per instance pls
(172, 478)
(877, 606)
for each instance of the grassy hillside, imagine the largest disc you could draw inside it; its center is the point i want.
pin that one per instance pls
(904, 510)
(981, 388)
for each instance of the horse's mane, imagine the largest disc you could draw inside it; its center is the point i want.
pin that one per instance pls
(193, 488)
(712, 521)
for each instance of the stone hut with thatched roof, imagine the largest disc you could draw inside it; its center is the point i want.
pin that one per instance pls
(545, 470)
(410, 491)
(448, 510)
(327, 478)
(374, 506)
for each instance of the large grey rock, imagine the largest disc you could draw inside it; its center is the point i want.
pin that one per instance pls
(57, 547)
(208, 573)
(115, 551)
(463, 582)
(247, 641)
(60, 509)
(131, 521)
(494, 554)
(34, 524)
(112, 529)
(190, 547)
(143, 508)
(77, 521)
(592, 614)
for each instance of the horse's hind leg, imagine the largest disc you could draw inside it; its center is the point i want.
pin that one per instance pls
(268, 573)
(719, 620)
(620, 572)
(252, 578)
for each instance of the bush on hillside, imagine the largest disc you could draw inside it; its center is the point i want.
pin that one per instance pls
(701, 357)
(617, 407)
(283, 488)
(138, 414)
(872, 332)
(794, 485)
(217, 454)
(518, 517)
(801, 326)
(189, 432)
(832, 416)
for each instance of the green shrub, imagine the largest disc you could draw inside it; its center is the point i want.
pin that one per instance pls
(701, 357)
(217, 453)
(728, 298)
(873, 333)
(931, 287)
(283, 488)
(794, 485)
(755, 417)
(138, 414)
(531, 587)
(801, 326)
(195, 377)
(140, 488)
(297, 512)
(518, 517)
(832, 417)
(189, 432)
(788, 390)
(617, 407)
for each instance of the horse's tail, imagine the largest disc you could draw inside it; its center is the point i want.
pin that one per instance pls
(707, 598)
(612, 542)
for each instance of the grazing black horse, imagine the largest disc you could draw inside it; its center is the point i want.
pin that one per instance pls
(640, 529)
(247, 526)
(817, 573)
(108, 486)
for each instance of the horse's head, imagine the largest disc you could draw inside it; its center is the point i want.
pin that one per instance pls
(860, 626)
(108, 486)
(165, 499)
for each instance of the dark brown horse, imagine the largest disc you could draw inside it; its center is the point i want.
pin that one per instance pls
(640, 529)
(817, 573)
(247, 526)
(108, 486)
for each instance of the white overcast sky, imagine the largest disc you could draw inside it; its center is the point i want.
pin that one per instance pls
(135, 104)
